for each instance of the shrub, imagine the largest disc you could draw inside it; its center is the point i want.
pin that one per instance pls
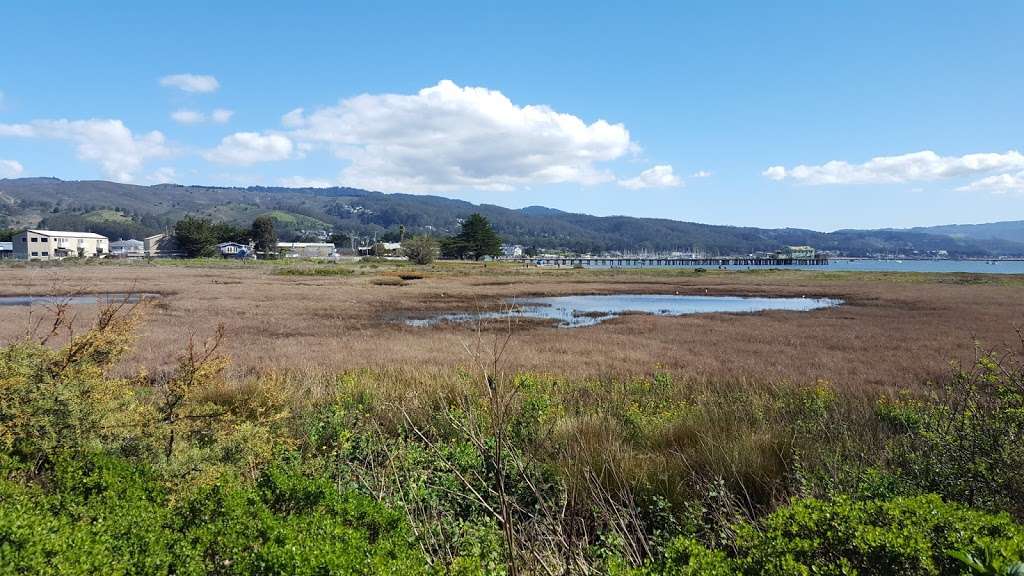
(906, 536)
(968, 443)
(421, 249)
(101, 514)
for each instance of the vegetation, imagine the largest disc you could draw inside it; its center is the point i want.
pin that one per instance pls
(474, 241)
(421, 250)
(198, 237)
(195, 471)
(370, 214)
(263, 235)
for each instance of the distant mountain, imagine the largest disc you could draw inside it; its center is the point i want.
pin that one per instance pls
(125, 210)
(1012, 231)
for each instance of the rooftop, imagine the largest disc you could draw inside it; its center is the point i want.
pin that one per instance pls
(68, 234)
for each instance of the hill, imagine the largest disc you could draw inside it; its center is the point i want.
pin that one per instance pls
(1012, 230)
(125, 210)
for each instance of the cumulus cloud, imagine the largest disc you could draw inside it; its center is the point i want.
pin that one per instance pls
(448, 137)
(10, 168)
(917, 166)
(701, 174)
(303, 182)
(998, 184)
(184, 116)
(191, 82)
(660, 176)
(245, 148)
(119, 152)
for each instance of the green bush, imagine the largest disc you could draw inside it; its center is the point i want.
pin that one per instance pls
(966, 444)
(906, 536)
(101, 514)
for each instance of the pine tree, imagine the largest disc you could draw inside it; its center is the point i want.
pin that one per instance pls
(476, 240)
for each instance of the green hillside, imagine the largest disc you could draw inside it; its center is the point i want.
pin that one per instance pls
(123, 210)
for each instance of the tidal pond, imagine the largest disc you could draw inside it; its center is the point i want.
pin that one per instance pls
(587, 310)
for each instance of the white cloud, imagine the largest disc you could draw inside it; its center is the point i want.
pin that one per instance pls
(185, 116)
(303, 182)
(999, 184)
(191, 82)
(660, 176)
(448, 137)
(244, 148)
(10, 168)
(163, 175)
(917, 166)
(221, 115)
(775, 173)
(701, 174)
(119, 152)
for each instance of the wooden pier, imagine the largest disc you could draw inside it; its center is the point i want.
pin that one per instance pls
(670, 262)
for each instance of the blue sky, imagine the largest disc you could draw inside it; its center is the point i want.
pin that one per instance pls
(818, 115)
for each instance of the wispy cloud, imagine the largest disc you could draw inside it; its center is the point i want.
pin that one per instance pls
(303, 182)
(10, 168)
(199, 83)
(917, 166)
(188, 116)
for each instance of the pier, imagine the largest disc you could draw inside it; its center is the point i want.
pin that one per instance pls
(670, 262)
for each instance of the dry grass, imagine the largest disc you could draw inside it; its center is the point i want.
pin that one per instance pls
(896, 329)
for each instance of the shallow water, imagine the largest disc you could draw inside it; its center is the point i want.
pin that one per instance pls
(108, 298)
(576, 311)
(870, 265)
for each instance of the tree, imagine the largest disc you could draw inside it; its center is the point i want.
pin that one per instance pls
(476, 240)
(196, 236)
(421, 249)
(263, 234)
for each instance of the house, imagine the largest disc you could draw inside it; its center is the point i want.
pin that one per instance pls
(56, 245)
(306, 249)
(389, 248)
(798, 252)
(6, 250)
(128, 249)
(511, 251)
(236, 250)
(162, 246)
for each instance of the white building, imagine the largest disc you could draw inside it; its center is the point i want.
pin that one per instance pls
(306, 249)
(56, 245)
(511, 250)
(128, 248)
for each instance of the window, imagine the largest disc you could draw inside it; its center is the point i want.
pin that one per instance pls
(45, 254)
(35, 253)
(34, 239)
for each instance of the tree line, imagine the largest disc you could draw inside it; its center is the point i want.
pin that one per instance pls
(199, 237)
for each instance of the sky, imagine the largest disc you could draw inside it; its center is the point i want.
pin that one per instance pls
(820, 115)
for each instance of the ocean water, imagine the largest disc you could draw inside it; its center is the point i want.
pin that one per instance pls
(868, 265)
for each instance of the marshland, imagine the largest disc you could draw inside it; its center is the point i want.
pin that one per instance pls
(258, 404)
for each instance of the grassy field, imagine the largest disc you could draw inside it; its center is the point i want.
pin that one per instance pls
(281, 417)
(893, 330)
